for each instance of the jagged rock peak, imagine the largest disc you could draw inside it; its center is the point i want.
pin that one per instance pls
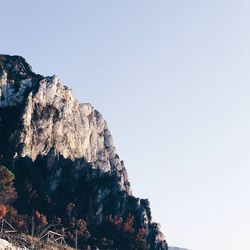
(44, 128)
(53, 121)
(16, 77)
(15, 65)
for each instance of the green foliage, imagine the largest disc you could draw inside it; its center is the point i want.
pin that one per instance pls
(7, 190)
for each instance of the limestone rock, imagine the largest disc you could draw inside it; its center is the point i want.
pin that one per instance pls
(41, 121)
(5, 245)
(54, 121)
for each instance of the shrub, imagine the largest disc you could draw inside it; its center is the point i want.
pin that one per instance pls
(3, 211)
(7, 190)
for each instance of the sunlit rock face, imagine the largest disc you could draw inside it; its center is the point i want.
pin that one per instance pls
(41, 119)
(54, 121)
(53, 117)
(4, 244)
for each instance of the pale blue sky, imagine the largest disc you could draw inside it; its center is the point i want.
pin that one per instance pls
(171, 77)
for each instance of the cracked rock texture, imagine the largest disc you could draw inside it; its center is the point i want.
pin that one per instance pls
(54, 121)
(39, 117)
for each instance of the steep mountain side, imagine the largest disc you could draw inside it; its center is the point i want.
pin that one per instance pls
(62, 153)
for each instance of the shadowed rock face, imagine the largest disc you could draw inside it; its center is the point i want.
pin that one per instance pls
(41, 119)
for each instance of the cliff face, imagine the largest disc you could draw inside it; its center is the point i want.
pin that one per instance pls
(56, 143)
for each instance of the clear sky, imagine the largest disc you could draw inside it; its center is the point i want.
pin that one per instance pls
(172, 79)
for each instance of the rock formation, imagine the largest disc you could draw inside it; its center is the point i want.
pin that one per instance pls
(52, 141)
(4, 244)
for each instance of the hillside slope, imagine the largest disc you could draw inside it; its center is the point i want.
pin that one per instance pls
(65, 164)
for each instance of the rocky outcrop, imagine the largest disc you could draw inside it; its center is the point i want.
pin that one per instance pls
(54, 121)
(5, 245)
(43, 124)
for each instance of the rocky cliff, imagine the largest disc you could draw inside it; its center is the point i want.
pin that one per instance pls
(62, 150)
